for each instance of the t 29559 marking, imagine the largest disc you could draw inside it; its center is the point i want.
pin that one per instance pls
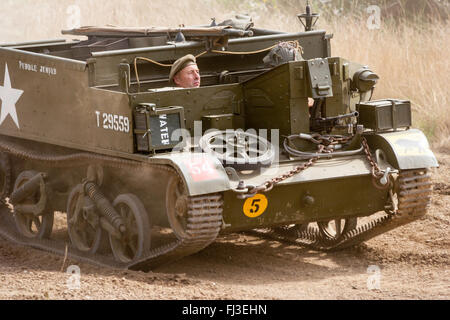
(114, 122)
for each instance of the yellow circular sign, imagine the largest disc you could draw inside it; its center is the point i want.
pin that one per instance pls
(255, 206)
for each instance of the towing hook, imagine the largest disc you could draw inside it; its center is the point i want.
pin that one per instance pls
(383, 182)
(385, 179)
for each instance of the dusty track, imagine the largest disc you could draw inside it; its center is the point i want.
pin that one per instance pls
(414, 261)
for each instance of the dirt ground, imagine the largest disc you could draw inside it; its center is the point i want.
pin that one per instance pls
(412, 262)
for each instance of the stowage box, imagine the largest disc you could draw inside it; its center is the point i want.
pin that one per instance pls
(381, 115)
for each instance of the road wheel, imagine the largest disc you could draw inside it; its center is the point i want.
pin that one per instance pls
(135, 241)
(83, 222)
(28, 224)
(333, 230)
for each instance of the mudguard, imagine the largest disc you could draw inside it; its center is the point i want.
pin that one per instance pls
(405, 150)
(202, 173)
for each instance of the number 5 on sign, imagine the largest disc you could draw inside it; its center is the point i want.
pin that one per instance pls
(255, 206)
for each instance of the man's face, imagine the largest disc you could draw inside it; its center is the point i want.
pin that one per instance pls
(189, 77)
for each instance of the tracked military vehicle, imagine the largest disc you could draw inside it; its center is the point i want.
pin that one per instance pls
(281, 139)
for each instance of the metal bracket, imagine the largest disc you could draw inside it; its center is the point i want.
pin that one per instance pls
(124, 77)
(320, 78)
(232, 174)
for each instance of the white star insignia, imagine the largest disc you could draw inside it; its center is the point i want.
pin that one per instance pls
(9, 97)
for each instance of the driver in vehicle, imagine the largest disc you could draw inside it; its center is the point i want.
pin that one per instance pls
(185, 73)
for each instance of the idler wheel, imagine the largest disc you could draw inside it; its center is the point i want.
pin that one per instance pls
(28, 224)
(83, 222)
(135, 241)
(333, 230)
(177, 206)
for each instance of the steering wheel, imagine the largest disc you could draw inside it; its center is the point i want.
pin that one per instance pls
(238, 149)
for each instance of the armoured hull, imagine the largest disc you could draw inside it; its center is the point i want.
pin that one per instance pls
(147, 174)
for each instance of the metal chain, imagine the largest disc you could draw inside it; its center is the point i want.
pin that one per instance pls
(250, 190)
(330, 140)
(324, 145)
(377, 173)
(268, 185)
